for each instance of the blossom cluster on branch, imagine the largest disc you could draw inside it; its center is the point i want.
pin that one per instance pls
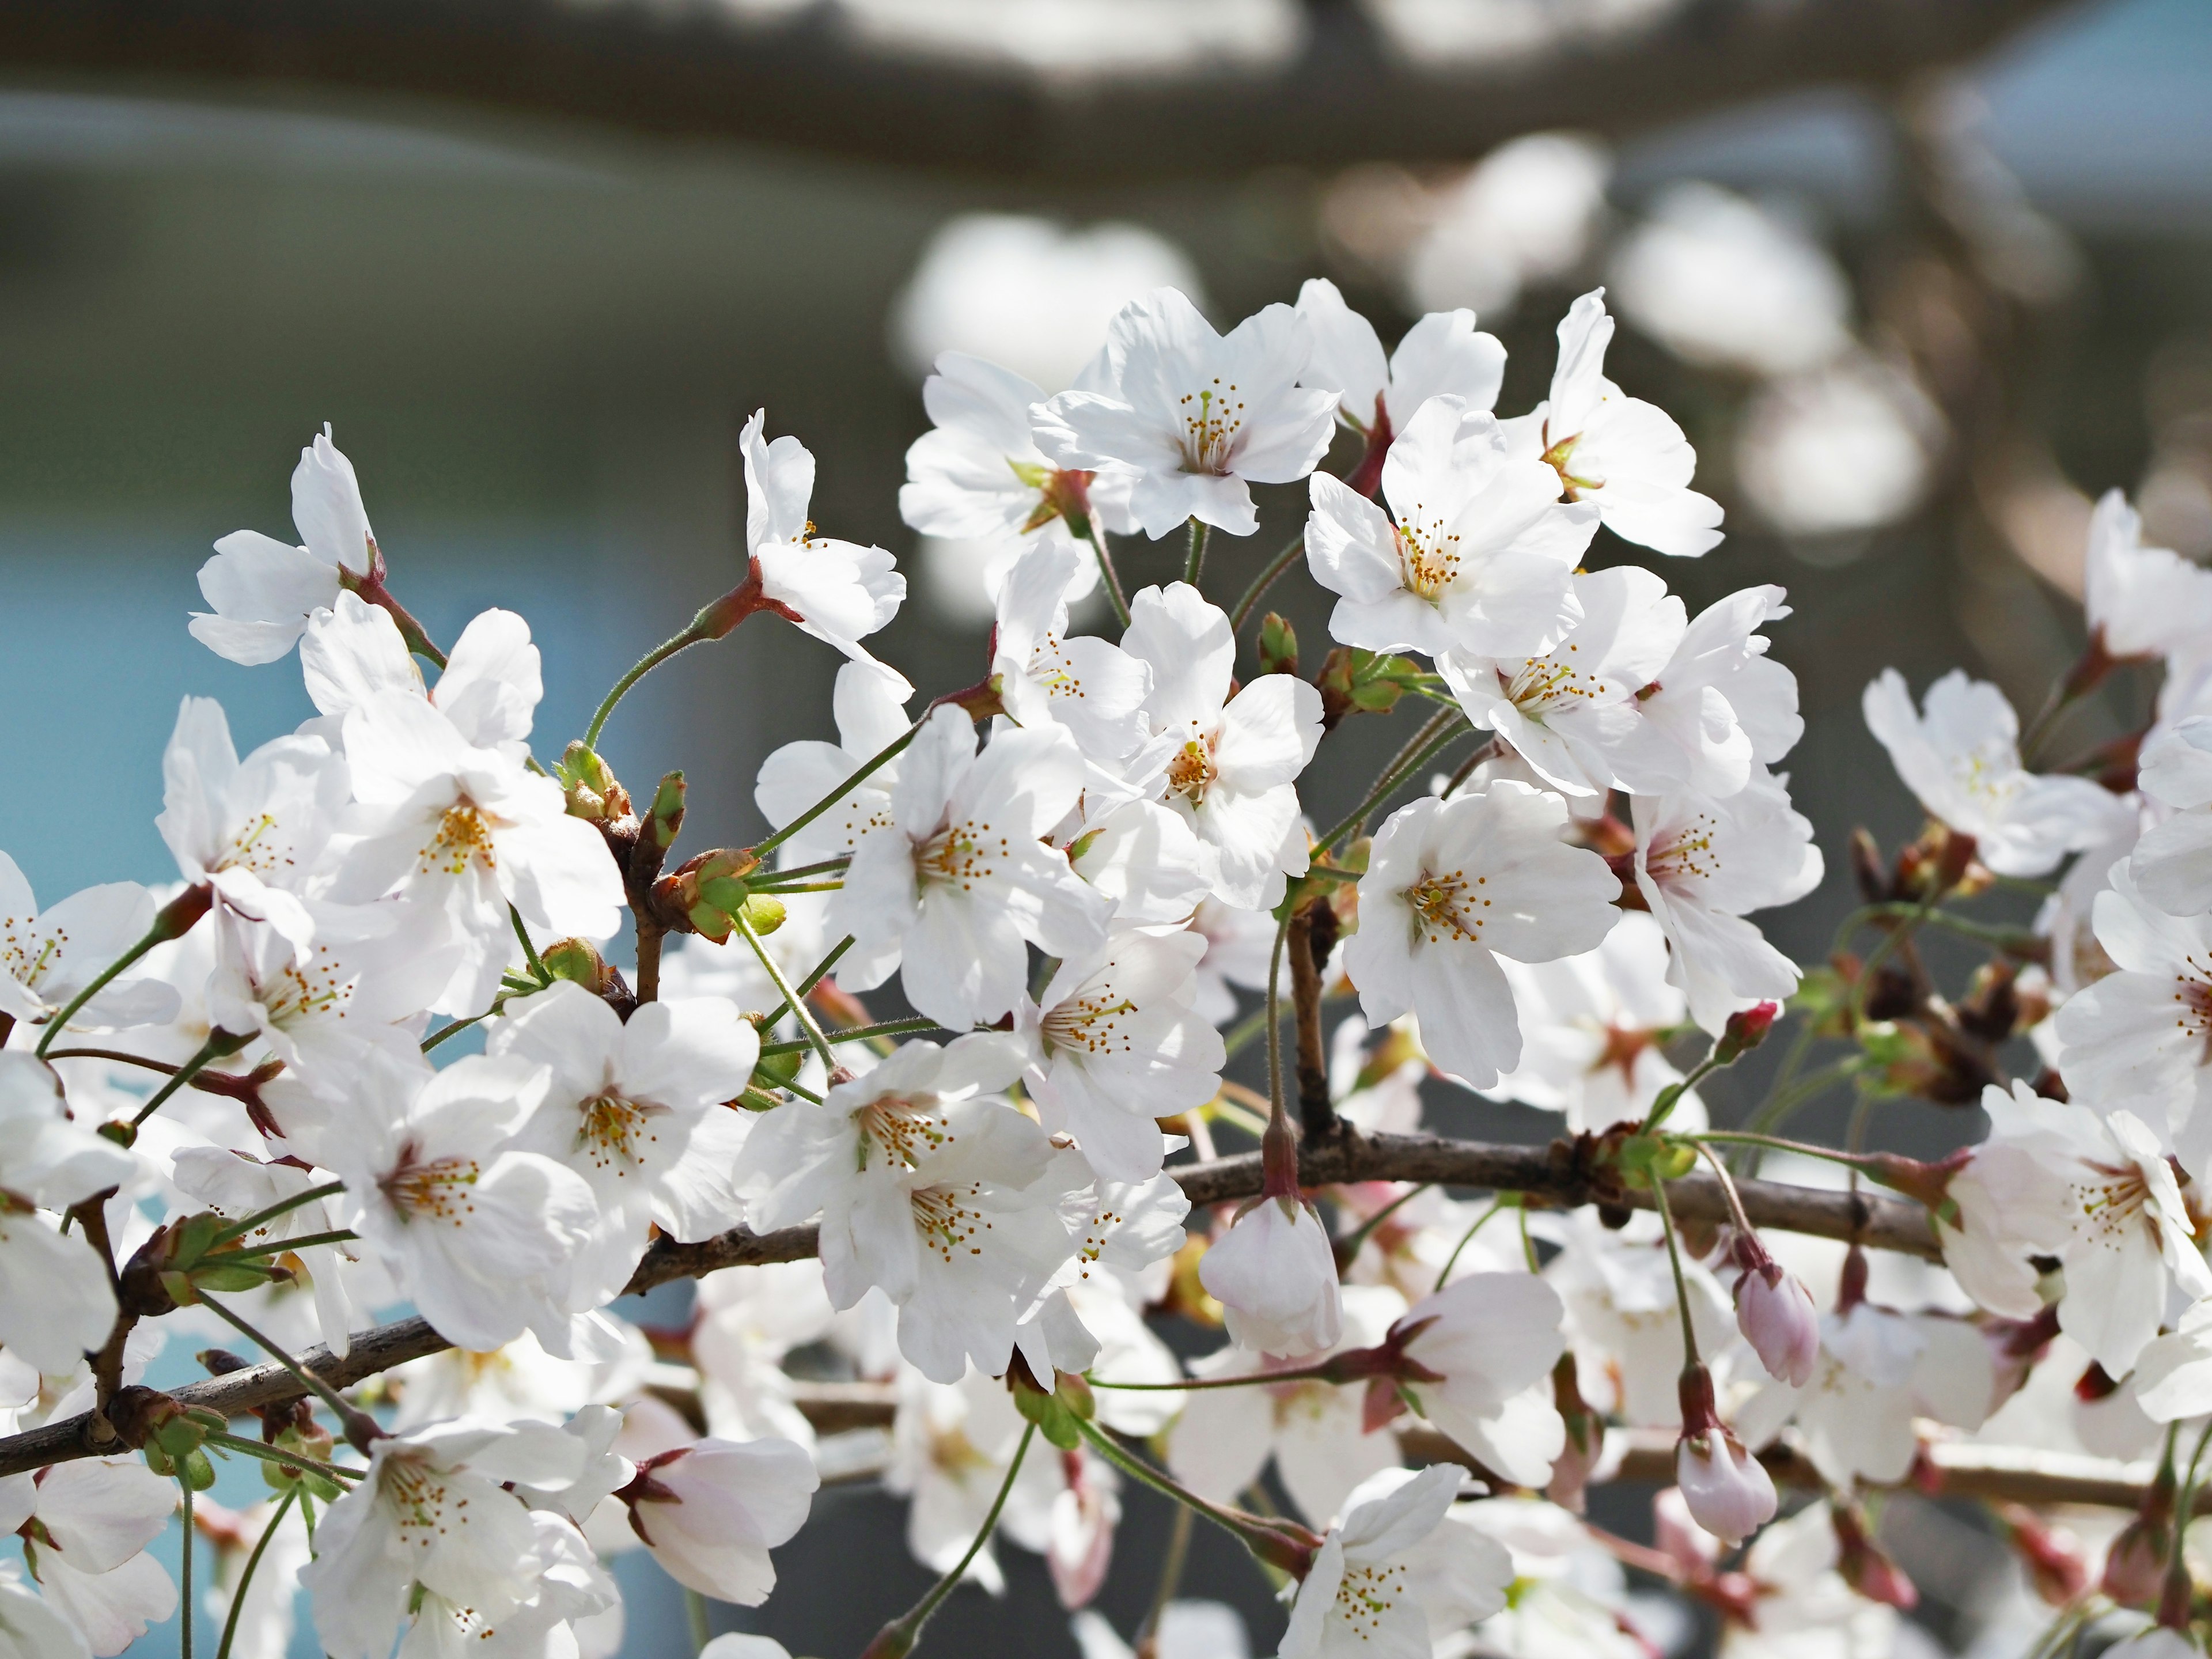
(239, 1117)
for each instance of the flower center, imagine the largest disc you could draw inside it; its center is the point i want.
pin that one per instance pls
(948, 1226)
(610, 1130)
(27, 953)
(253, 848)
(1091, 1021)
(959, 856)
(906, 1130)
(1689, 854)
(2192, 996)
(1428, 557)
(294, 995)
(438, 1190)
(1544, 685)
(1448, 905)
(463, 839)
(2113, 1207)
(1212, 419)
(416, 1494)
(1365, 1595)
(1192, 772)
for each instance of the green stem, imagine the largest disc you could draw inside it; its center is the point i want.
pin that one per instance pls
(285, 1206)
(867, 768)
(218, 1045)
(354, 1420)
(529, 951)
(644, 666)
(1274, 1027)
(1171, 1575)
(1266, 579)
(1674, 1260)
(1441, 728)
(1856, 1162)
(189, 1614)
(854, 1034)
(903, 1632)
(460, 1025)
(342, 1236)
(772, 883)
(695, 1615)
(164, 929)
(1302, 1374)
(1194, 561)
(245, 1578)
(269, 1454)
(1114, 596)
(793, 999)
(1228, 1519)
(821, 972)
(1467, 1238)
(1350, 1246)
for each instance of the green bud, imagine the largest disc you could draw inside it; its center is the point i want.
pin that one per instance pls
(666, 818)
(725, 893)
(1051, 1412)
(591, 790)
(1278, 646)
(575, 959)
(197, 1472)
(765, 913)
(776, 1070)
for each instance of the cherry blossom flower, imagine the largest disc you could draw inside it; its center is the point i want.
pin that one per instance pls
(870, 708)
(1962, 759)
(1238, 943)
(1391, 1578)
(84, 1541)
(1450, 886)
(55, 1300)
(838, 592)
(1094, 689)
(48, 956)
(1274, 1274)
(31, 1628)
(261, 591)
(1475, 552)
(1233, 773)
(635, 1110)
(1729, 1491)
(711, 1511)
(1571, 711)
(234, 1184)
(478, 1232)
(1117, 1045)
(1624, 455)
(978, 474)
(2143, 601)
(1192, 419)
(1443, 354)
(430, 1517)
(1489, 1342)
(1701, 866)
(2171, 863)
(1729, 707)
(956, 884)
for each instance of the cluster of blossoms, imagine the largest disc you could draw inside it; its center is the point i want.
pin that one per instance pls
(241, 1119)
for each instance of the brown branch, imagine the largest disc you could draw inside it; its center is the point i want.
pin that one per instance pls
(696, 71)
(1316, 1112)
(1551, 1173)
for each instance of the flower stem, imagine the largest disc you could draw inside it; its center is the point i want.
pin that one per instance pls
(245, 1578)
(1275, 1027)
(797, 1001)
(360, 1427)
(861, 774)
(186, 1611)
(1114, 596)
(1320, 1373)
(1170, 1575)
(1353, 1242)
(172, 920)
(1194, 561)
(821, 972)
(1467, 1238)
(898, 1637)
(695, 1615)
(855, 1034)
(652, 660)
(219, 1045)
(1441, 728)
(1264, 1539)
(1682, 1284)
(529, 951)
(276, 1454)
(342, 1236)
(1727, 1189)
(285, 1206)
(1266, 579)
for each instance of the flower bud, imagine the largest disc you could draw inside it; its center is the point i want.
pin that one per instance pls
(1275, 1275)
(2135, 1565)
(1745, 1031)
(591, 789)
(1865, 1566)
(1729, 1491)
(1775, 1312)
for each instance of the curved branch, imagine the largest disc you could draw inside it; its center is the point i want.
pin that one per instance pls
(1550, 1174)
(811, 83)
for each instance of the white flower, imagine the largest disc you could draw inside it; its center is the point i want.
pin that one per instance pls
(1238, 943)
(47, 957)
(2135, 1038)
(1727, 1490)
(1571, 711)
(1119, 1044)
(636, 1110)
(29, 1629)
(251, 829)
(1728, 706)
(748, 1319)
(1274, 1274)
(928, 1189)
(477, 1233)
(55, 1301)
(1624, 1320)
(262, 591)
(836, 591)
(1624, 455)
(1701, 866)
(238, 1186)
(2096, 1191)
(1094, 689)
(711, 1511)
(1441, 356)
(1391, 1578)
(870, 708)
(1590, 1031)
(978, 474)
(1233, 774)
(1196, 418)
(90, 1523)
(2172, 863)
(1492, 1339)
(2143, 601)
(430, 1514)
(467, 831)
(1148, 861)
(960, 880)
(114, 1608)
(1315, 1432)
(1962, 760)
(1475, 552)
(1450, 886)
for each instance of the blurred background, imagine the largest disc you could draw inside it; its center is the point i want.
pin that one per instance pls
(1920, 279)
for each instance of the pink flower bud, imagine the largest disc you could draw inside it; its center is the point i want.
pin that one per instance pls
(1745, 1031)
(2135, 1565)
(1866, 1567)
(1774, 1311)
(1727, 1490)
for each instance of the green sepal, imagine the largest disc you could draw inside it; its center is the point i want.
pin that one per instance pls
(1278, 646)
